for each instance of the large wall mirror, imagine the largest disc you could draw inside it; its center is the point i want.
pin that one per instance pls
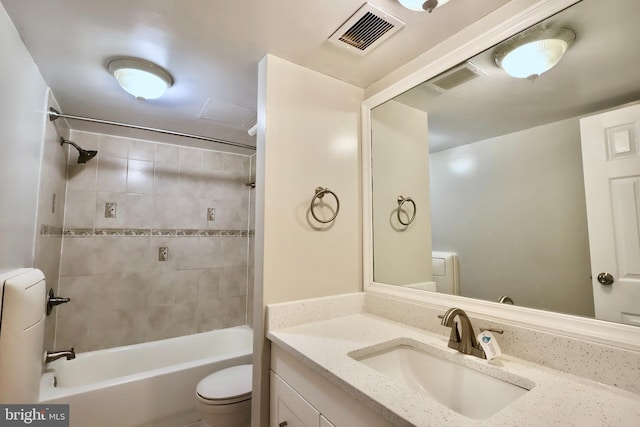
(478, 179)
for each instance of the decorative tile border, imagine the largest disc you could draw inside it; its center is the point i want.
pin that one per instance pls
(50, 231)
(137, 232)
(109, 232)
(141, 232)
(78, 232)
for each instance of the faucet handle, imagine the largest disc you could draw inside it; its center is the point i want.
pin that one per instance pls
(497, 331)
(53, 300)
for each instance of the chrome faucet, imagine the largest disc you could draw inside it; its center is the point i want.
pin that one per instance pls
(465, 340)
(50, 356)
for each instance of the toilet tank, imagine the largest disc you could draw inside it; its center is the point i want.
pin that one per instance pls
(446, 272)
(22, 308)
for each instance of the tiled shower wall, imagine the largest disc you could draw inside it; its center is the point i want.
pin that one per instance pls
(193, 202)
(51, 212)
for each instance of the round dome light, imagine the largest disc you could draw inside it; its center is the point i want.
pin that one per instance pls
(142, 79)
(533, 53)
(418, 5)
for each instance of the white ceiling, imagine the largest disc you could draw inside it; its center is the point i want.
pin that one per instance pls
(211, 47)
(600, 71)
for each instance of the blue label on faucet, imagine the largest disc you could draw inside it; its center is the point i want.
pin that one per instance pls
(486, 339)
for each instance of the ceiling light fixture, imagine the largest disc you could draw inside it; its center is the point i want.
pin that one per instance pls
(422, 5)
(142, 79)
(533, 53)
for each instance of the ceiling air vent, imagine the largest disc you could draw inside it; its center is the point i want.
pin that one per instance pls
(455, 77)
(366, 29)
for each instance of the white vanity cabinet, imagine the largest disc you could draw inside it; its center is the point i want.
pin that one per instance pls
(301, 397)
(288, 408)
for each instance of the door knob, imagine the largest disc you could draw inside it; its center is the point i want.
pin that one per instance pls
(605, 279)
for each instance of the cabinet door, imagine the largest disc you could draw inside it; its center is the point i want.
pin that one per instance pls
(288, 408)
(325, 422)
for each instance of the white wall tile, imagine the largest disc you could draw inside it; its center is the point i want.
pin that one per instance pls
(166, 153)
(142, 150)
(191, 183)
(86, 140)
(167, 178)
(82, 176)
(119, 279)
(114, 146)
(190, 159)
(112, 174)
(190, 213)
(80, 209)
(208, 283)
(212, 161)
(140, 177)
(166, 213)
(138, 211)
(133, 254)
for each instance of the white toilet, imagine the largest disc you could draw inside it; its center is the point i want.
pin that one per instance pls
(224, 397)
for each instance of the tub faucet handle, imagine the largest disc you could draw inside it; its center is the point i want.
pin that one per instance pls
(52, 301)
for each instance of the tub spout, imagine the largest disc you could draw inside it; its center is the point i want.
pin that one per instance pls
(50, 356)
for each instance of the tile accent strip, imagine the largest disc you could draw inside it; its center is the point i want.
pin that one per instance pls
(50, 231)
(138, 232)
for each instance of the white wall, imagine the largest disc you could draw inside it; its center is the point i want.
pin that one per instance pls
(513, 208)
(308, 136)
(310, 140)
(23, 95)
(400, 163)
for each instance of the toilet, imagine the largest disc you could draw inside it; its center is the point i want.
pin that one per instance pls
(224, 397)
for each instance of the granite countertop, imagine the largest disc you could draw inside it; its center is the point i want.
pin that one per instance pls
(555, 398)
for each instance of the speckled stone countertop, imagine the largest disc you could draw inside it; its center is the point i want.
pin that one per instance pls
(555, 398)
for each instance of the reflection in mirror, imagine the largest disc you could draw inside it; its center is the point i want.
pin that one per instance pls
(502, 208)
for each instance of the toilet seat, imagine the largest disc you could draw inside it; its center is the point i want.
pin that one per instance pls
(227, 386)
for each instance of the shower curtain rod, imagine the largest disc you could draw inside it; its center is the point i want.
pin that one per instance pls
(54, 115)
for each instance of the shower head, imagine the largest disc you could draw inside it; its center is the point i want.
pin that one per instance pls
(85, 155)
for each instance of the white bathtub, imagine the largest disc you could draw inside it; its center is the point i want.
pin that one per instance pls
(150, 384)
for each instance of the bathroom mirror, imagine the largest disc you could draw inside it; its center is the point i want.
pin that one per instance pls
(493, 167)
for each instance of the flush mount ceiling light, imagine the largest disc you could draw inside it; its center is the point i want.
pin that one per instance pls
(532, 53)
(422, 5)
(142, 79)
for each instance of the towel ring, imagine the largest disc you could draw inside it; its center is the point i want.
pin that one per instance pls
(320, 192)
(401, 201)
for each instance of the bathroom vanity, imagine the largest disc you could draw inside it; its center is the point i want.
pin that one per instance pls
(335, 361)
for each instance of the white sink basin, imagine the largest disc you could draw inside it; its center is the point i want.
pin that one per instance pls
(462, 389)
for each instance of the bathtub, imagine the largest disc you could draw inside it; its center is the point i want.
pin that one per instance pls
(150, 384)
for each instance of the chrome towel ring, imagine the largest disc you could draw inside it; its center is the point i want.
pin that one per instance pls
(320, 193)
(401, 201)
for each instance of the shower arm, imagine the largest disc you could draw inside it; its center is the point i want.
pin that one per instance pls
(66, 141)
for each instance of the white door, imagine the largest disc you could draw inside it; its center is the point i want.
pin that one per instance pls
(611, 159)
